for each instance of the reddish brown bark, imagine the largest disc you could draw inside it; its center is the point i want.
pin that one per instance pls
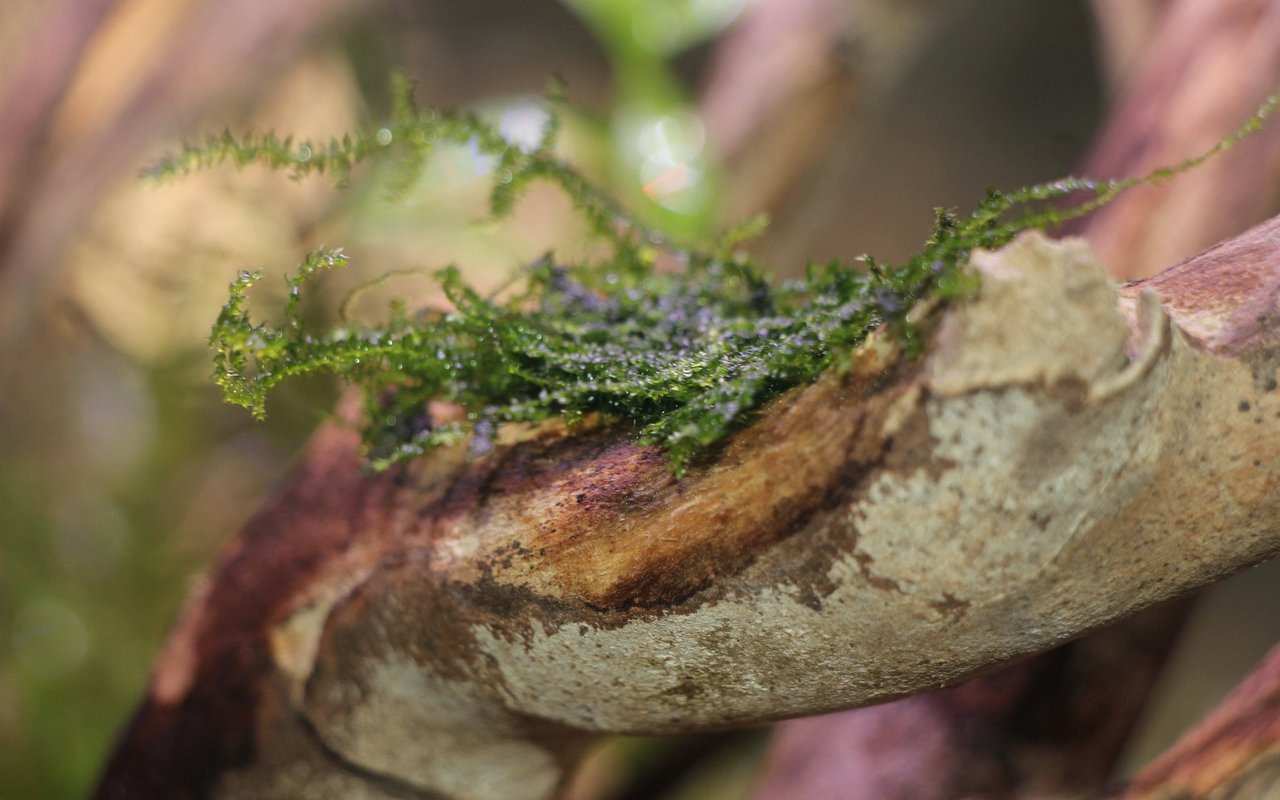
(1234, 752)
(218, 655)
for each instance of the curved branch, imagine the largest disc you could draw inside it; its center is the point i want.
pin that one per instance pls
(458, 626)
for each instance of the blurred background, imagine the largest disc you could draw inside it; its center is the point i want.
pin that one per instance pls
(121, 469)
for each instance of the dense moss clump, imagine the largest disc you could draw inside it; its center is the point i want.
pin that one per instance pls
(682, 356)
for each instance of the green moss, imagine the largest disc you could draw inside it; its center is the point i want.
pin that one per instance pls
(681, 357)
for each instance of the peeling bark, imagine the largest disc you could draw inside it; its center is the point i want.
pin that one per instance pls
(1062, 456)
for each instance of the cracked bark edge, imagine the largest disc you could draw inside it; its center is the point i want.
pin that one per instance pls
(459, 627)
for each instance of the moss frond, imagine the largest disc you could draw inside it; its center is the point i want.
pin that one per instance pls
(681, 357)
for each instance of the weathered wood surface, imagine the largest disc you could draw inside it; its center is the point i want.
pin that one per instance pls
(454, 627)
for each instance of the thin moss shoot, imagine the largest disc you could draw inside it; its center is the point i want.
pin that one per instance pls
(680, 358)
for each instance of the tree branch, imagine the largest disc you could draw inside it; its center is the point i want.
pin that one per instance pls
(455, 626)
(1234, 752)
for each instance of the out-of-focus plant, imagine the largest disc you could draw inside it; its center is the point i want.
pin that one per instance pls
(658, 148)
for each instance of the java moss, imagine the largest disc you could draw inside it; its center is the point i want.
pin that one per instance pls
(681, 357)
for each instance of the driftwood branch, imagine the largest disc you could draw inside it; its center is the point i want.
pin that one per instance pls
(463, 628)
(1233, 753)
(1062, 456)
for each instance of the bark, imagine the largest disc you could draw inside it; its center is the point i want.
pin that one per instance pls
(1233, 753)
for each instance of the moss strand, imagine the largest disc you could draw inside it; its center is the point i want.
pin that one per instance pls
(681, 358)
